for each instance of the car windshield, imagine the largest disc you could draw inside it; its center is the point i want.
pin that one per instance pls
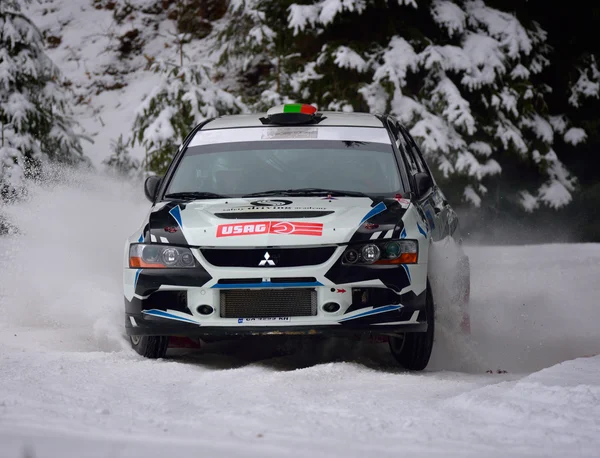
(240, 168)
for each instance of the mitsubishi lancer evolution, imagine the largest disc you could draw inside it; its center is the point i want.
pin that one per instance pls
(291, 222)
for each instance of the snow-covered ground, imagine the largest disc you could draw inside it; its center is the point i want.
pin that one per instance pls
(71, 387)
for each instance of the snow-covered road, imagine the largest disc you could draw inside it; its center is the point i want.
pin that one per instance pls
(71, 387)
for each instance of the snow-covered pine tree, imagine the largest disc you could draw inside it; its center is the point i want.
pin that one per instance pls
(35, 111)
(464, 77)
(185, 96)
(258, 48)
(120, 162)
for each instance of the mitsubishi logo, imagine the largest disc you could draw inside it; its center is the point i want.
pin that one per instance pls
(267, 261)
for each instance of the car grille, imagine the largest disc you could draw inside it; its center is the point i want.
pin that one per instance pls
(282, 257)
(268, 303)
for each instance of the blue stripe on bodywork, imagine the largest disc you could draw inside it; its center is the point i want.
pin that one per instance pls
(407, 272)
(267, 284)
(137, 274)
(176, 213)
(376, 210)
(386, 308)
(403, 234)
(167, 315)
(141, 239)
(421, 230)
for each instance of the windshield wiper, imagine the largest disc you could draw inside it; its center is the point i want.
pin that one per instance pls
(307, 192)
(191, 195)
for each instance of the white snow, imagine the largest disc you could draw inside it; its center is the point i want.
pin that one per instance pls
(348, 58)
(449, 15)
(456, 109)
(575, 135)
(323, 12)
(587, 85)
(71, 387)
(471, 196)
(487, 59)
(398, 59)
(504, 27)
(528, 201)
(541, 128)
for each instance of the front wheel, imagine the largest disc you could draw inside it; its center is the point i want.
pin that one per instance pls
(413, 349)
(150, 346)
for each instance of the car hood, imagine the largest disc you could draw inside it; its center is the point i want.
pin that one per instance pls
(276, 221)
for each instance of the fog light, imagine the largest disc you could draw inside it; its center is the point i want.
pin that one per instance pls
(351, 256)
(204, 309)
(187, 259)
(331, 307)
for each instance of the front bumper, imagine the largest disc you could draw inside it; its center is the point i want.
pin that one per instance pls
(372, 300)
(174, 318)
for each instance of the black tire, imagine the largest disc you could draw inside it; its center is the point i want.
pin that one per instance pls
(413, 349)
(150, 346)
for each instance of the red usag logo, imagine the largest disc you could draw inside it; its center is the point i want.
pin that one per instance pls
(270, 227)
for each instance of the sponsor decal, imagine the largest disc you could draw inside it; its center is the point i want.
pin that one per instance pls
(342, 291)
(170, 229)
(329, 198)
(271, 203)
(270, 227)
(264, 208)
(278, 318)
(273, 133)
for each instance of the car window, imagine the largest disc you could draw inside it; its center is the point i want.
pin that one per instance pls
(403, 147)
(240, 168)
(414, 153)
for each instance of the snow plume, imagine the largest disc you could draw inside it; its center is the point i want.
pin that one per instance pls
(63, 269)
(453, 348)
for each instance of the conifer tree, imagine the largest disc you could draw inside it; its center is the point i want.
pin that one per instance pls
(35, 104)
(185, 96)
(464, 77)
(120, 162)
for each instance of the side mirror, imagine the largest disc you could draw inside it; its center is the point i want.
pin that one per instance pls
(423, 183)
(151, 186)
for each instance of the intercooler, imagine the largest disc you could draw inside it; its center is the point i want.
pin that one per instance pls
(268, 303)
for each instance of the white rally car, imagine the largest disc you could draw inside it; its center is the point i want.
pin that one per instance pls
(290, 222)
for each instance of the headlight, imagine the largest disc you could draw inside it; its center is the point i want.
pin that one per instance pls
(370, 253)
(154, 256)
(382, 252)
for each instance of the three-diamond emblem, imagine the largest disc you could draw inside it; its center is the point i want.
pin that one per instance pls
(267, 261)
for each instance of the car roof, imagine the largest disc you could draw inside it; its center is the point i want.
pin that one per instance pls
(330, 118)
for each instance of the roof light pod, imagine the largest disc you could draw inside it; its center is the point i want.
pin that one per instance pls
(292, 113)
